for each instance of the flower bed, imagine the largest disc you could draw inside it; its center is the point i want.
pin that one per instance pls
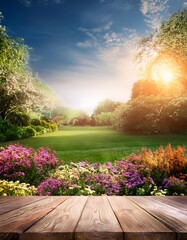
(162, 172)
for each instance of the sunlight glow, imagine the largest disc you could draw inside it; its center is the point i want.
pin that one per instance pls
(164, 72)
(167, 75)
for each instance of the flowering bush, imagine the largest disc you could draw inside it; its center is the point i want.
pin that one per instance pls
(164, 163)
(174, 186)
(16, 188)
(122, 178)
(26, 164)
(161, 172)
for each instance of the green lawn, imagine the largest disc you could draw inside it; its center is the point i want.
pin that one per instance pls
(99, 144)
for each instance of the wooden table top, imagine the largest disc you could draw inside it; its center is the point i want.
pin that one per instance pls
(93, 217)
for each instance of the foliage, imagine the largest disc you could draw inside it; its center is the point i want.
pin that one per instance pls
(20, 91)
(168, 44)
(82, 120)
(144, 88)
(28, 132)
(144, 174)
(174, 186)
(53, 127)
(165, 162)
(18, 119)
(26, 164)
(39, 129)
(36, 122)
(105, 106)
(152, 115)
(10, 188)
(149, 173)
(104, 119)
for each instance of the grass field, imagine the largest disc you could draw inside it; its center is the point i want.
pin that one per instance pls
(97, 144)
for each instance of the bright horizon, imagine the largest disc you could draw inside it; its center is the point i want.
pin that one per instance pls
(84, 49)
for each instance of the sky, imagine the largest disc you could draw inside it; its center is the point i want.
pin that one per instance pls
(84, 49)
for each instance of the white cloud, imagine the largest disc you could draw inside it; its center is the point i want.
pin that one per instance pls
(94, 35)
(120, 4)
(47, 2)
(85, 44)
(144, 7)
(185, 3)
(28, 3)
(154, 11)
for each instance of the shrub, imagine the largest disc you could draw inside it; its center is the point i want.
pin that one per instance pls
(26, 164)
(2, 137)
(12, 133)
(135, 175)
(45, 124)
(36, 122)
(165, 162)
(28, 132)
(39, 129)
(16, 188)
(174, 186)
(18, 119)
(161, 172)
(82, 178)
(49, 187)
(53, 127)
(152, 115)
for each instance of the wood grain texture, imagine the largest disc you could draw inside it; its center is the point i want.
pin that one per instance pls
(91, 218)
(170, 216)
(60, 223)
(98, 221)
(8, 204)
(173, 202)
(135, 220)
(21, 219)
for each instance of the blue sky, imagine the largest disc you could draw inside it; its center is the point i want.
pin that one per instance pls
(83, 49)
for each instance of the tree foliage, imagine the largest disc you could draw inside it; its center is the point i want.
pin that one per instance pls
(168, 43)
(144, 88)
(19, 90)
(105, 106)
(152, 115)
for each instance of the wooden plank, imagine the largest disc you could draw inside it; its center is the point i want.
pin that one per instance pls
(10, 203)
(137, 223)
(170, 216)
(179, 199)
(17, 221)
(173, 202)
(98, 221)
(58, 224)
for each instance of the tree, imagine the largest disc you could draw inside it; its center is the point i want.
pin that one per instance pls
(104, 119)
(19, 90)
(144, 88)
(106, 105)
(169, 43)
(82, 120)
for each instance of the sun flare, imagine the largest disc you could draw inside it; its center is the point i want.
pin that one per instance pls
(164, 72)
(167, 75)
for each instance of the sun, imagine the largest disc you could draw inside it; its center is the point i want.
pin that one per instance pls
(167, 75)
(164, 72)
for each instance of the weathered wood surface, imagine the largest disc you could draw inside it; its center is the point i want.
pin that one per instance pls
(93, 217)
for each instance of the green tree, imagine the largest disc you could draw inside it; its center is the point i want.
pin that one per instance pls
(104, 119)
(106, 105)
(169, 43)
(19, 90)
